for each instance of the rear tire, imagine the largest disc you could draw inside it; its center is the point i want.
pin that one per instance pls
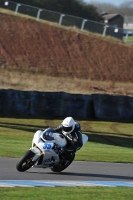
(61, 166)
(25, 162)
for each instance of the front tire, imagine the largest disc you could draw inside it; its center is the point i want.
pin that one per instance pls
(25, 162)
(61, 166)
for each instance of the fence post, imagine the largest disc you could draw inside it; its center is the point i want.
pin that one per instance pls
(61, 18)
(17, 6)
(38, 14)
(126, 37)
(83, 23)
(104, 30)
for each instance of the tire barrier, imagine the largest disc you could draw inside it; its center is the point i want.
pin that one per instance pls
(60, 104)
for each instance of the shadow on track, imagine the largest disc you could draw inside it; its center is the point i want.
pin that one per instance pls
(87, 175)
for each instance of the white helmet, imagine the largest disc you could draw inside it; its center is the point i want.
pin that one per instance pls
(68, 125)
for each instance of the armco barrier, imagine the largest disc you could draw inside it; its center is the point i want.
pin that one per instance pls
(60, 104)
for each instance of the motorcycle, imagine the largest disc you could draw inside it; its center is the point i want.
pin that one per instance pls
(44, 152)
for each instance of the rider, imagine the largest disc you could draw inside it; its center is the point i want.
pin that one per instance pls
(72, 132)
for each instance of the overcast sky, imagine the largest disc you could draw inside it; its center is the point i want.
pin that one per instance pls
(114, 2)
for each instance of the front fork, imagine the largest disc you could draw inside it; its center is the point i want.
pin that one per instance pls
(37, 152)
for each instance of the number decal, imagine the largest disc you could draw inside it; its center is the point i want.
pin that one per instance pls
(47, 146)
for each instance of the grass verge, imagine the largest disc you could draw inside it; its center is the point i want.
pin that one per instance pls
(108, 141)
(73, 193)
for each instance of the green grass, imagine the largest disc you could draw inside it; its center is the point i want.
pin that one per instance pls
(108, 141)
(129, 39)
(70, 193)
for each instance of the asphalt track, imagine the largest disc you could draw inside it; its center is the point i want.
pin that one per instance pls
(77, 171)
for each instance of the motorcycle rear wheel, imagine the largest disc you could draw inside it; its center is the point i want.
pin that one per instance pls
(61, 166)
(25, 161)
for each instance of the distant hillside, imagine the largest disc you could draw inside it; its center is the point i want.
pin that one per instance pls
(30, 46)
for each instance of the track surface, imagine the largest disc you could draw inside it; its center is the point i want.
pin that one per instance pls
(77, 171)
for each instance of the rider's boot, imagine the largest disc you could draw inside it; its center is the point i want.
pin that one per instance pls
(61, 151)
(66, 153)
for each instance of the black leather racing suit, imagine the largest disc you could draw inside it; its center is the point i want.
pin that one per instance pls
(74, 139)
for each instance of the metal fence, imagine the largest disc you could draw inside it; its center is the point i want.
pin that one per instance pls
(66, 20)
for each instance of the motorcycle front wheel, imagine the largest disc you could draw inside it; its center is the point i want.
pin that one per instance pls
(61, 166)
(25, 161)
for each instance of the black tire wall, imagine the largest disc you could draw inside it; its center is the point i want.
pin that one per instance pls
(60, 104)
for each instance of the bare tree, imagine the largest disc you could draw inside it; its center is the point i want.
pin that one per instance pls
(125, 9)
(105, 7)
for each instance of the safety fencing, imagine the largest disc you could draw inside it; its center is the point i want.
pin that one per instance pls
(68, 20)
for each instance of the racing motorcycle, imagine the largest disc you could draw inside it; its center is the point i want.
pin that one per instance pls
(45, 152)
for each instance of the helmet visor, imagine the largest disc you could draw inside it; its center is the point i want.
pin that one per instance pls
(67, 129)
